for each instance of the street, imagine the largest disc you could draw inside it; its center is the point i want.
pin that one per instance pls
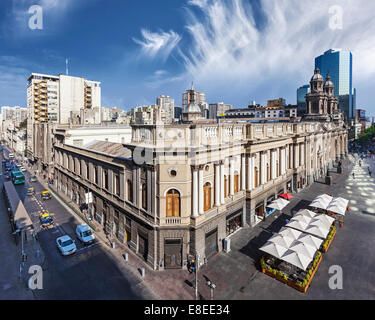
(90, 273)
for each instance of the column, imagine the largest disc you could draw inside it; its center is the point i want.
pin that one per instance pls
(195, 192)
(243, 172)
(273, 164)
(303, 151)
(217, 185)
(200, 189)
(222, 196)
(231, 170)
(250, 173)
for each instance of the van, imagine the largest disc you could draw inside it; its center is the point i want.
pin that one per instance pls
(84, 234)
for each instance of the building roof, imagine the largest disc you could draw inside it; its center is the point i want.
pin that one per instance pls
(109, 148)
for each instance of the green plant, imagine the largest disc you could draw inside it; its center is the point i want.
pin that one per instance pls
(262, 263)
(299, 283)
(305, 282)
(274, 271)
(279, 273)
(285, 277)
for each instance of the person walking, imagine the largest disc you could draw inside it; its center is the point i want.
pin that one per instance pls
(353, 175)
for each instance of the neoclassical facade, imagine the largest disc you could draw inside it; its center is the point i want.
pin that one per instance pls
(184, 188)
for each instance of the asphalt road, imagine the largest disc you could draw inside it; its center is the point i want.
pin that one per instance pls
(90, 273)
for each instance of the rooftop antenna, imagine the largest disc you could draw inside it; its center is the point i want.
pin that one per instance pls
(66, 64)
(192, 85)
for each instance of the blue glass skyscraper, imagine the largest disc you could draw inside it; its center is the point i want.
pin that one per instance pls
(339, 65)
(301, 99)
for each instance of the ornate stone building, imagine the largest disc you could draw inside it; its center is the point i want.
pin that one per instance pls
(180, 188)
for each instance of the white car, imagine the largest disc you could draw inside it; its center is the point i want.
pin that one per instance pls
(84, 234)
(11, 156)
(66, 245)
(22, 169)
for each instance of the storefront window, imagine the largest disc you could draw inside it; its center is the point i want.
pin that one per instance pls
(234, 224)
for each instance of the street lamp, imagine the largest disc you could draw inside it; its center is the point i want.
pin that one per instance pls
(212, 287)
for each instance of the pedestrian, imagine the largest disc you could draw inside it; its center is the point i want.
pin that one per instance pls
(369, 173)
(353, 176)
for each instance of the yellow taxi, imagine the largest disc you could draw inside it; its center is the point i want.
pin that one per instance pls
(46, 220)
(30, 191)
(46, 195)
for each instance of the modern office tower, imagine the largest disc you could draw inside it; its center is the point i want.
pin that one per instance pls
(52, 99)
(167, 104)
(301, 99)
(192, 95)
(218, 109)
(338, 64)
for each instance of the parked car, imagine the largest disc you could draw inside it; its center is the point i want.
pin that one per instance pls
(84, 234)
(18, 165)
(11, 156)
(66, 245)
(22, 169)
(33, 179)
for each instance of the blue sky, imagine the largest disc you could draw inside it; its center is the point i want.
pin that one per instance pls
(234, 50)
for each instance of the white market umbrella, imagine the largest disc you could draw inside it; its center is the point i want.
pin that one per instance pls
(303, 248)
(306, 212)
(281, 240)
(326, 220)
(297, 259)
(317, 231)
(291, 233)
(310, 240)
(298, 225)
(338, 205)
(302, 218)
(278, 204)
(273, 249)
(321, 201)
(319, 223)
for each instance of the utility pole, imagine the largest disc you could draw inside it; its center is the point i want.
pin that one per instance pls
(196, 273)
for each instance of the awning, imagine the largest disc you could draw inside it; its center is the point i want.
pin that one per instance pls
(278, 204)
(303, 248)
(274, 249)
(307, 213)
(281, 240)
(286, 196)
(310, 240)
(338, 205)
(321, 202)
(297, 259)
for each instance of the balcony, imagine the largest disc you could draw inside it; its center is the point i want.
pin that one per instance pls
(168, 221)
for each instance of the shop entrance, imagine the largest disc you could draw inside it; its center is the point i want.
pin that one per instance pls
(259, 210)
(234, 222)
(211, 243)
(172, 253)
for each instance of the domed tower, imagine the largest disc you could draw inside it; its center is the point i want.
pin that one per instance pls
(317, 99)
(316, 82)
(329, 88)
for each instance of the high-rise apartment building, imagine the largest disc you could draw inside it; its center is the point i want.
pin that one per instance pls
(338, 64)
(52, 99)
(301, 99)
(167, 104)
(218, 109)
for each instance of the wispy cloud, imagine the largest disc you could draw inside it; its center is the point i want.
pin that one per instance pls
(228, 54)
(158, 43)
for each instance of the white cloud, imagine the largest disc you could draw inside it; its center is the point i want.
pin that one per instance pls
(229, 55)
(161, 43)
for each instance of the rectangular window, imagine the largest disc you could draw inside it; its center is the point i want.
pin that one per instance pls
(117, 185)
(105, 179)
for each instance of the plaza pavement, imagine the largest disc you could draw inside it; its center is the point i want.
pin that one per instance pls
(237, 276)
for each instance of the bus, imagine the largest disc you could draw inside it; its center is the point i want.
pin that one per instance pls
(18, 177)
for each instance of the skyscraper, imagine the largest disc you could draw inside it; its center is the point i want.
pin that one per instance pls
(301, 99)
(338, 64)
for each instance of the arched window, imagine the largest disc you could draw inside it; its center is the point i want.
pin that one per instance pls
(173, 203)
(207, 196)
(144, 196)
(235, 181)
(130, 191)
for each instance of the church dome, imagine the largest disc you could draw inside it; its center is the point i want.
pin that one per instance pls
(317, 75)
(193, 108)
(329, 83)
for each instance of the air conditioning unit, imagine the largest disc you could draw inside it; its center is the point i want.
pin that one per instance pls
(227, 245)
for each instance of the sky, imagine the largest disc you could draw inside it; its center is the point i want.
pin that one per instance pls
(235, 51)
